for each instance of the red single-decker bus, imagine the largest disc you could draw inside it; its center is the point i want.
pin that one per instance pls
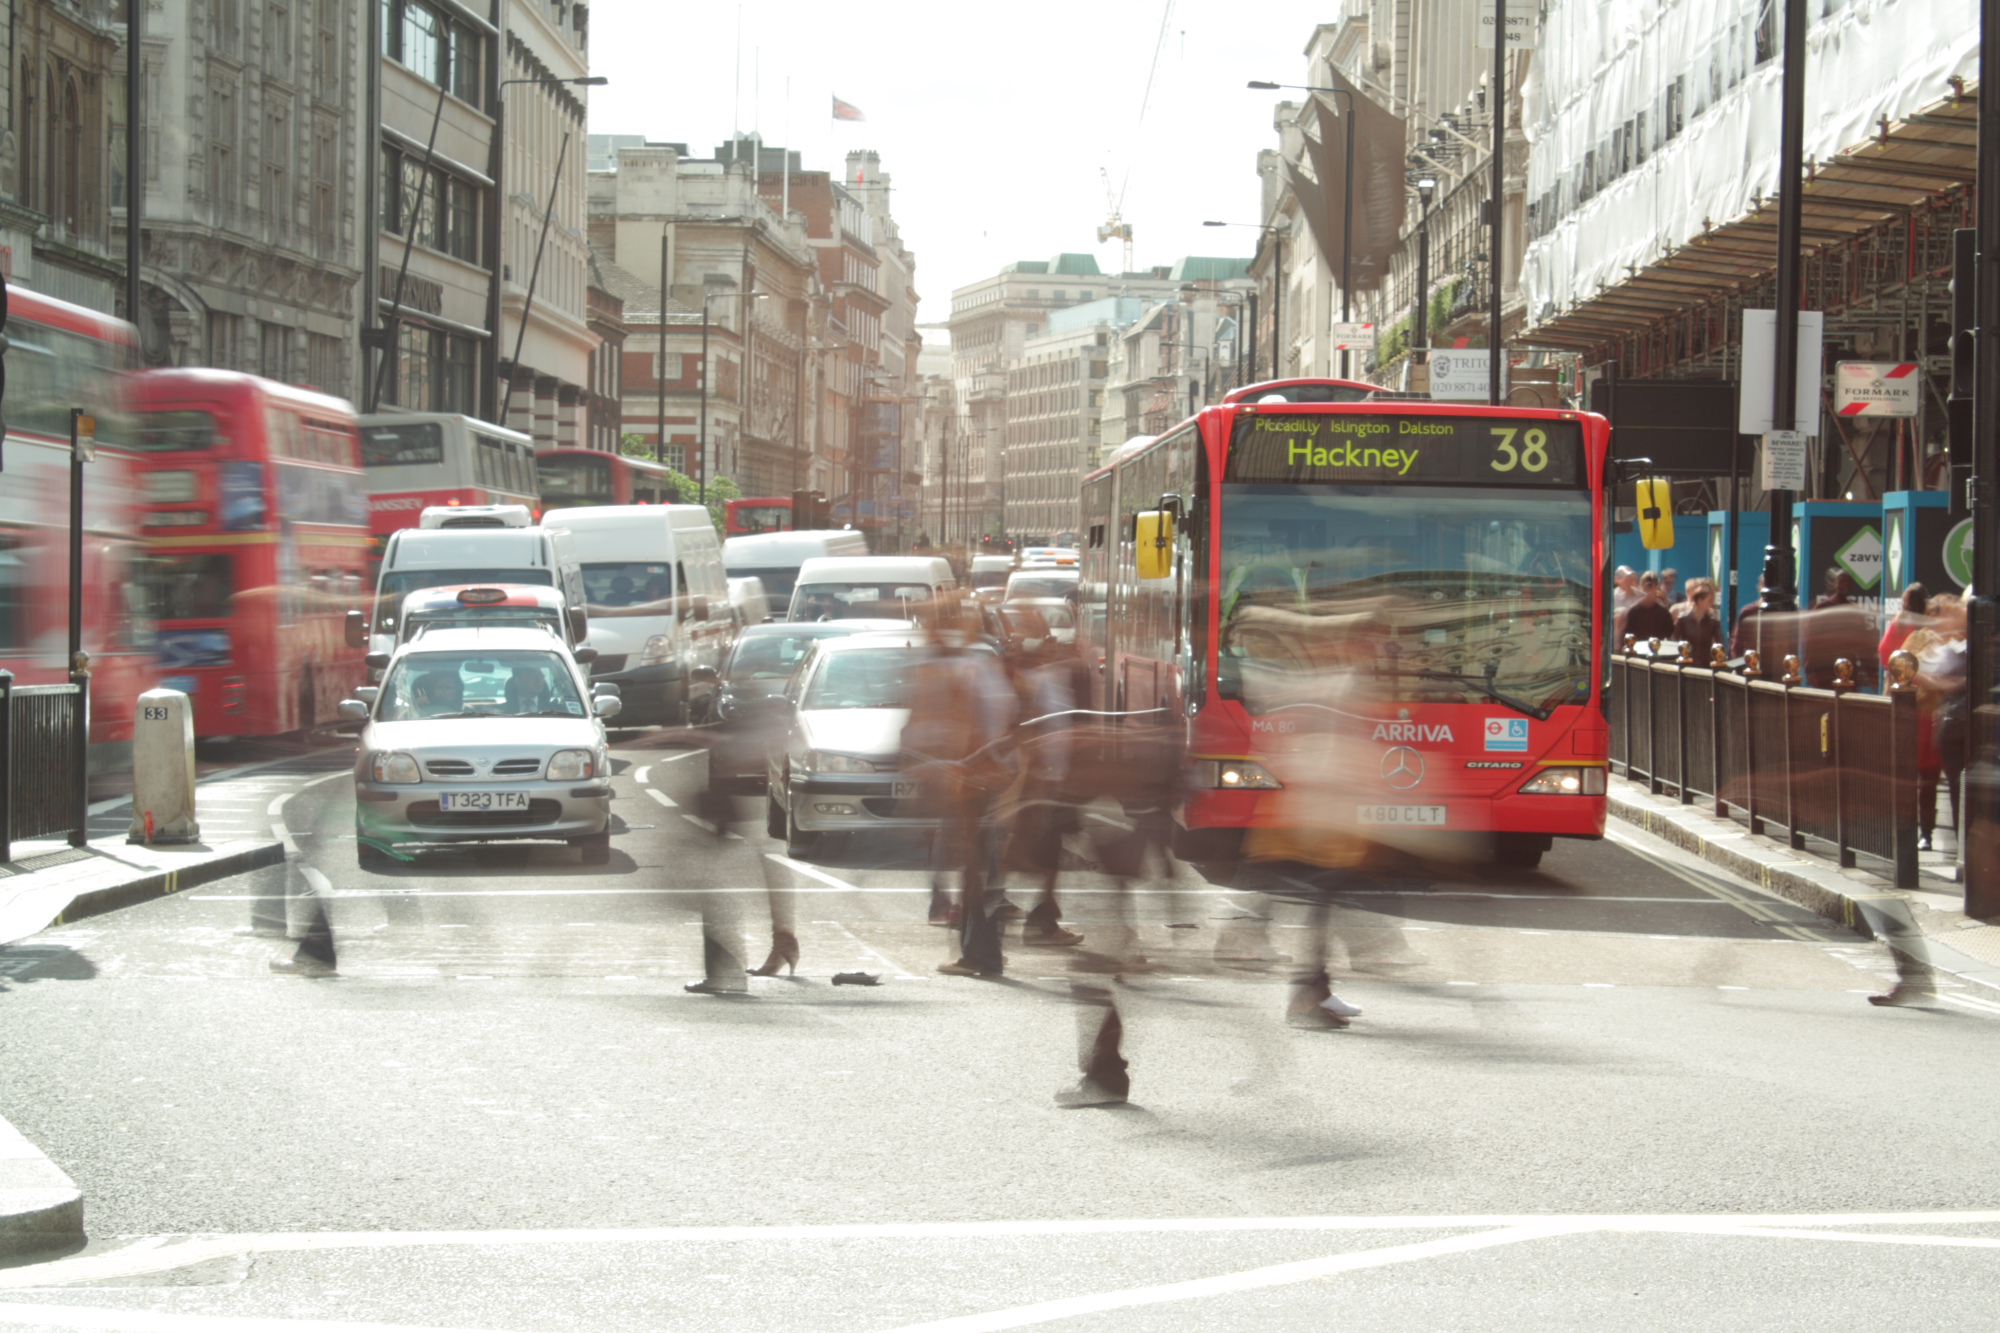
(1395, 605)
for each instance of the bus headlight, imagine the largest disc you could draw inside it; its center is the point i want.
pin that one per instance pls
(1234, 775)
(396, 767)
(658, 649)
(1565, 782)
(569, 765)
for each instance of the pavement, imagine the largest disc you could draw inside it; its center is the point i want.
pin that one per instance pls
(1631, 1089)
(1962, 946)
(50, 882)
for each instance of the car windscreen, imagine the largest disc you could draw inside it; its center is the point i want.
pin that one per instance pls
(771, 656)
(471, 683)
(990, 578)
(864, 678)
(777, 579)
(1032, 586)
(873, 600)
(400, 583)
(464, 617)
(629, 587)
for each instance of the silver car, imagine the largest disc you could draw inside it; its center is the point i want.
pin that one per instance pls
(838, 768)
(479, 735)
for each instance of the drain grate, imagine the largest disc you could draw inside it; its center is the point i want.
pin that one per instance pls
(28, 865)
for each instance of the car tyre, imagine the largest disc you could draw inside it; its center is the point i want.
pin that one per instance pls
(774, 816)
(367, 855)
(1522, 851)
(595, 849)
(798, 842)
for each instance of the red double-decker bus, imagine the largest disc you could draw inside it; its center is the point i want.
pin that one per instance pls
(573, 478)
(757, 513)
(61, 356)
(256, 522)
(1314, 567)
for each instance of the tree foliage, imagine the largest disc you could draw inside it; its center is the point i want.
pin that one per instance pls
(720, 489)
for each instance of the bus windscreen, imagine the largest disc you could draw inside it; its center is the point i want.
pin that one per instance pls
(402, 444)
(1301, 448)
(572, 479)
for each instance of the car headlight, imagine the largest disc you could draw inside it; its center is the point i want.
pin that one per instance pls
(394, 766)
(571, 765)
(1565, 782)
(658, 649)
(819, 761)
(1234, 775)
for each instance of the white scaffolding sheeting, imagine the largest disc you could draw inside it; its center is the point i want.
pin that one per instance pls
(1649, 121)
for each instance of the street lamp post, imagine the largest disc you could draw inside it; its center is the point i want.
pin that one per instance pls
(1278, 231)
(1420, 333)
(1346, 200)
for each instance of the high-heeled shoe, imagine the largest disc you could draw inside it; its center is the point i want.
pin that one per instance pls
(784, 951)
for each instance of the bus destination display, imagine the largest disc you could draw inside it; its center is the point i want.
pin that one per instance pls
(1360, 450)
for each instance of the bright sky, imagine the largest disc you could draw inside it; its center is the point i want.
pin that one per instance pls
(993, 120)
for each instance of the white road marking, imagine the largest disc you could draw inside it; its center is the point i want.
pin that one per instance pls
(821, 875)
(317, 878)
(663, 798)
(1254, 1279)
(901, 973)
(684, 754)
(644, 775)
(145, 1321)
(160, 1255)
(707, 827)
(891, 889)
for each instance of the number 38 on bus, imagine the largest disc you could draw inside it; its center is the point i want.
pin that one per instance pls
(1381, 618)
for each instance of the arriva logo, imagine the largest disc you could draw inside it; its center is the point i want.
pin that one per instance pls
(1411, 731)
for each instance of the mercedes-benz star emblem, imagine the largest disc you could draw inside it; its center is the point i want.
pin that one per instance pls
(1402, 768)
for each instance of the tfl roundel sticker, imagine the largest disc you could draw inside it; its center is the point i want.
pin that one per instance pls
(1506, 733)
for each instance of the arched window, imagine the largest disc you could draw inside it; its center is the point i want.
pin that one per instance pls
(70, 154)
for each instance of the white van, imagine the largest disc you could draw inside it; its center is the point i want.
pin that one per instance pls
(417, 558)
(775, 557)
(876, 587)
(659, 605)
(456, 515)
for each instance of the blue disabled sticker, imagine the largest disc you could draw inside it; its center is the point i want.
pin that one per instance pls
(1506, 733)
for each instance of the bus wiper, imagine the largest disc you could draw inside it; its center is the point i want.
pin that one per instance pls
(1484, 684)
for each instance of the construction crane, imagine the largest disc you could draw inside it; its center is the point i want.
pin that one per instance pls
(1115, 227)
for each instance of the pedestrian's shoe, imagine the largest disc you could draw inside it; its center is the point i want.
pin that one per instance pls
(714, 988)
(1090, 1092)
(304, 965)
(784, 953)
(1924, 843)
(1333, 1004)
(1901, 995)
(1008, 911)
(942, 912)
(962, 968)
(1050, 937)
(1317, 1018)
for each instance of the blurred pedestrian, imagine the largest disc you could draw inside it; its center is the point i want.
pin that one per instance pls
(1838, 626)
(1941, 711)
(1698, 626)
(1911, 616)
(1648, 618)
(1625, 595)
(1670, 582)
(1039, 808)
(961, 713)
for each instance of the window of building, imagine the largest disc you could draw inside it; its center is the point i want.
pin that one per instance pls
(426, 40)
(272, 341)
(224, 20)
(222, 166)
(277, 163)
(326, 364)
(277, 37)
(326, 52)
(325, 220)
(443, 210)
(435, 371)
(224, 331)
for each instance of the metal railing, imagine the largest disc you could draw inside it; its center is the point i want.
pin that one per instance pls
(1834, 765)
(44, 760)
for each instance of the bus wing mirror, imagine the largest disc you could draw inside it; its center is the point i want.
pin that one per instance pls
(1655, 499)
(699, 607)
(579, 623)
(1153, 544)
(357, 629)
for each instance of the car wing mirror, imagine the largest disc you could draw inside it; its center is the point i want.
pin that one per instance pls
(377, 661)
(584, 654)
(357, 629)
(607, 705)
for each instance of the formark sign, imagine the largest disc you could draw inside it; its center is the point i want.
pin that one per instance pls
(1876, 388)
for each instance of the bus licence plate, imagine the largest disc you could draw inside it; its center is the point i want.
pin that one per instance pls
(904, 791)
(1399, 814)
(483, 800)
